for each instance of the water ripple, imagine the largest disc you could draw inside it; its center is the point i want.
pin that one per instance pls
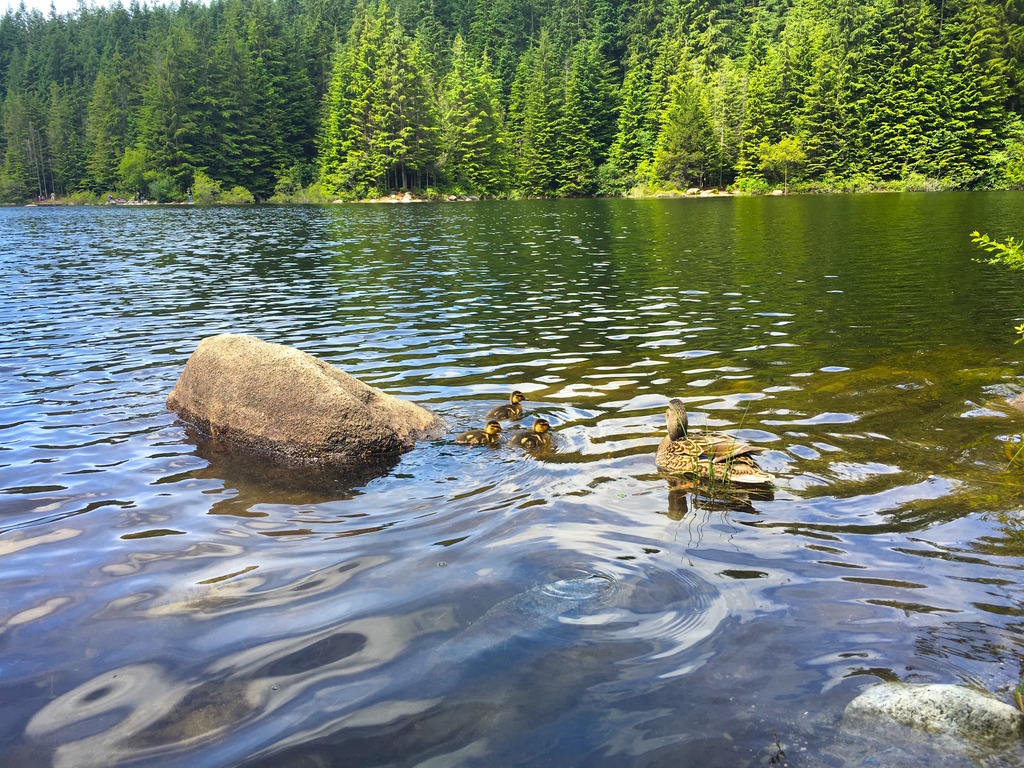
(166, 603)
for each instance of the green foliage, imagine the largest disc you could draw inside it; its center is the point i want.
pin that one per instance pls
(83, 197)
(1010, 253)
(208, 191)
(237, 196)
(132, 171)
(511, 97)
(205, 191)
(164, 189)
(781, 158)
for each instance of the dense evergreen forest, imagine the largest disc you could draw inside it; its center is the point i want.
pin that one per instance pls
(326, 99)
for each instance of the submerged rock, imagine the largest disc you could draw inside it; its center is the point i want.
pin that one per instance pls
(279, 401)
(952, 710)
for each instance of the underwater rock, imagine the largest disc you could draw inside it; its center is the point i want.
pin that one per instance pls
(276, 400)
(952, 710)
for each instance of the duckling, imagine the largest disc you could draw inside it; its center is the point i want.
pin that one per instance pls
(711, 456)
(512, 411)
(538, 437)
(489, 435)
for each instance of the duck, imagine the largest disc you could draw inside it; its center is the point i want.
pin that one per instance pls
(511, 411)
(489, 435)
(712, 456)
(538, 437)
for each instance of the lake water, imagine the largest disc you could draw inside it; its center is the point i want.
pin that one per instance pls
(165, 604)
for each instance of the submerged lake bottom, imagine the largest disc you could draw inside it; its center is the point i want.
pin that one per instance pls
(166, 602)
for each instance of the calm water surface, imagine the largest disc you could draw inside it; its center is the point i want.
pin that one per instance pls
(164, 604)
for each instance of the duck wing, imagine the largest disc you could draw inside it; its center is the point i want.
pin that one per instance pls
(718, 447)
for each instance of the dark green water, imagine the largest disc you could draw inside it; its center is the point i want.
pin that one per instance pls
(162, 604)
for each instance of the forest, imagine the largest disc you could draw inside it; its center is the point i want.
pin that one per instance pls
(318, 100)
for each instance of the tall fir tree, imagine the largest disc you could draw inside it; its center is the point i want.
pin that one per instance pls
(686, 149)
(170, 131)
(473, 135)
(575, 166)
(109, 124)
(974, 86)
(537, 111)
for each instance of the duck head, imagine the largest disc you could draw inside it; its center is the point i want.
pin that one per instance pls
(540, 426)
(492, 428)
(676, 419)
(517, 397)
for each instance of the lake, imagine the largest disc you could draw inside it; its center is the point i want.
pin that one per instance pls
(162, 603)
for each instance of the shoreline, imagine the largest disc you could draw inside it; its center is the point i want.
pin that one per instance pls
(399, 198)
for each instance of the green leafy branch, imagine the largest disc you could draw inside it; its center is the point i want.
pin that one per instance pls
(1010, 253)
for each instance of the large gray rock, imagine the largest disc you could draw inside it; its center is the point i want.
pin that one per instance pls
(279, 401)
(952, 710)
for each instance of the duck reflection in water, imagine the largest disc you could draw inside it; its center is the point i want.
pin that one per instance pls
(686, 494)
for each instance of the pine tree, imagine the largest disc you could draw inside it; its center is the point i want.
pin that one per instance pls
(170, 131)
(635, 138)
(537, 116)
(63, 139)
(109, 123)
(575, 167)
(473, 132)
(686, 148)
(345, 162)
(22, 173)
(599, 93)
(401, 116)
(974, 87)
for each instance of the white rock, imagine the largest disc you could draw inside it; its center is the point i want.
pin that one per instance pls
(953, 710)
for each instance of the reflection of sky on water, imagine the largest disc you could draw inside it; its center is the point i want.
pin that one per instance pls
(491, 607)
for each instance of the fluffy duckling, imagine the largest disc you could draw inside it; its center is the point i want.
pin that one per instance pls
(712, 456)
(538, 437)
(489, 435)
(511, 411)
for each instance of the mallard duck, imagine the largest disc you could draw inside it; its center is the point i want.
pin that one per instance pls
(709, 455)
(511, 411)
(489, 435)
(538, 437)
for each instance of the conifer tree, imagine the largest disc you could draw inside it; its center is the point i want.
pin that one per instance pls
(170, 131)
(576, 170)
(537, 116)
(402, 116)
(21, 176)
(64, 141)
(599, 93)
(636, 135)
(473, 133)
(686, 148)
(973, 89)
(109, 126)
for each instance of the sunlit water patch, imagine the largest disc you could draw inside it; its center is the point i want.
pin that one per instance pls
(168, 602)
